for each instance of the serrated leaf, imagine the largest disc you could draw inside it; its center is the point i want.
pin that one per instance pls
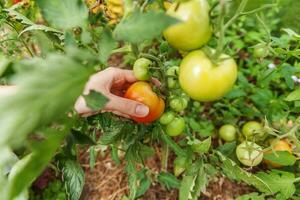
(168, 179)
(283, 158)
(233, 171)
(95, 100)
(228, 148)
(294, 96)
(40, 27)
(74, 178)
(18, 16)
(64, 14)
(279, 181)
(82, 138)
(186, 187)
(139, 26)
(106, 45)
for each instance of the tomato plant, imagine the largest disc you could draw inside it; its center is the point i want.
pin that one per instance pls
(221, 80)
(142, 92)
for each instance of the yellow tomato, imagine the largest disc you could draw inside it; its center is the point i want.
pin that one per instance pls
(194, 30)
(205, 81)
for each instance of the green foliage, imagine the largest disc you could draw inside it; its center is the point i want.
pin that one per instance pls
(95, 100)
(74, 178)
(64, 14)
(168, 180)
(132, 29)
(284, 158)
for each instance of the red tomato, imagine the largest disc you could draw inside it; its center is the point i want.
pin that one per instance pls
(142, 92)
(16, 1)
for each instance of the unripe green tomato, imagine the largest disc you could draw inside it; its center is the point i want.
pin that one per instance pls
(172, 83)
(167, 117)
(249, 154)
(196, 104)
(185, 102)
(251, 129)
(176, 127)
(227, 132)
(140, 69)
(177, 104)
(261, 51)
(172, 71)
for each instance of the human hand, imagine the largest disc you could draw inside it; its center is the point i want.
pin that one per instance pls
(111, 82)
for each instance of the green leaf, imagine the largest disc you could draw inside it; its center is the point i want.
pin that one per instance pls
(82, 138)
(114, 155)
(168, 180)
(138, 26)
(233, 171)
(186, 187)
(173, 145)
(26, 170)
(95, 100)
(228, 148)
(65, 14)
(18, 16)
(74, 178)
(106, 45)
(200, 146)
(284, 158)
(47, 89)
(279, 182)
(200, 183)
(251, 196)
(294, 96)
(292, 33)
(40, 27)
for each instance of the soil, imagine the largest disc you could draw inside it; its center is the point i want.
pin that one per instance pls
(109, 182)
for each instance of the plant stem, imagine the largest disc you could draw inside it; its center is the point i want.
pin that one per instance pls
(221, 30)
(165, 156)
(237, 13)
(21, 39)
(264, 27)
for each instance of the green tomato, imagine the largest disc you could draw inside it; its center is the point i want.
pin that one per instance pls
(172, 71)
(260, 51)
(176, 127)
(252, 129)
(194, 30)
(140, 69)
(177, 104)
(172, 83)
(196, 104)
(227, 132)
(167, 117)
(249, 154)
(205, 81)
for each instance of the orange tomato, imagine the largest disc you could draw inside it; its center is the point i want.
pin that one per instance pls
(142, 92)
(280, 145)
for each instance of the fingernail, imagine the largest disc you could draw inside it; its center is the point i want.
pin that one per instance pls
(141, 110)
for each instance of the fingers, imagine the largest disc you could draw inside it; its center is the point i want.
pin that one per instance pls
(127, 106)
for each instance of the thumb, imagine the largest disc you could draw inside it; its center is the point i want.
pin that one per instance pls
(127, 106)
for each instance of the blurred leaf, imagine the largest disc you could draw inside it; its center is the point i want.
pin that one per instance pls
(74, 178)
(284, 158)
(138, 26)
(64, 14)
(26, 170)
(292, 33)
(95, 100)
(46, 90)
(106, 45)
(144, 183)
(289, 14)
(280, 182)
(168, 180)
(114, 155)
(294, 96)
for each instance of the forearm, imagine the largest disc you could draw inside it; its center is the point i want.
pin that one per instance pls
(7, 90)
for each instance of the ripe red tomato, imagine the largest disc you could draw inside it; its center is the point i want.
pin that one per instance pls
(142, 92)
(16, 1)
